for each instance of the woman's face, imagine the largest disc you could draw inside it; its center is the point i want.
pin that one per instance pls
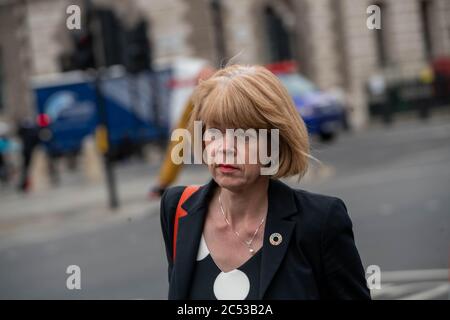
(232, 158)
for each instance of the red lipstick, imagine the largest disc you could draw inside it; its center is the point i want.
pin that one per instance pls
(226, 168)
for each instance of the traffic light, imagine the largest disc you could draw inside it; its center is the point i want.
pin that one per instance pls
(111, 34)
(137, 48)
(103, 42)
(83, 55)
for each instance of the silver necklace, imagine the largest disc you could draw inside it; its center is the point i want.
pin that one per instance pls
(247, 243)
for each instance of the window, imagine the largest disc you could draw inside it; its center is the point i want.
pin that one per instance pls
(277, 36)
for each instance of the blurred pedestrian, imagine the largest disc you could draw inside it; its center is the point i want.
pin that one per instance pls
(169, 170)
(28, 132)
(4, 170)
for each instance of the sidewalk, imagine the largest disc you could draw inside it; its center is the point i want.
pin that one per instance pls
(76, 205)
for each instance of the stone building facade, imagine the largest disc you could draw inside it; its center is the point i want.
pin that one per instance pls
(328, 38)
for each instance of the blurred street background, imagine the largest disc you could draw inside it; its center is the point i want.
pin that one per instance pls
(91, 90)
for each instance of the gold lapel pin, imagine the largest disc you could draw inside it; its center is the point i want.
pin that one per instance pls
(275, 239)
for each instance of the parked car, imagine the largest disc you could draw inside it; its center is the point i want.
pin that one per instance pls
(324, 113)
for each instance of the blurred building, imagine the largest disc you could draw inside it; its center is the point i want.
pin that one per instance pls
(328, 38)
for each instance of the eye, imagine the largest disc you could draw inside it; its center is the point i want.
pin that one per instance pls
(212, 130)
(211, 133)
(249, 135)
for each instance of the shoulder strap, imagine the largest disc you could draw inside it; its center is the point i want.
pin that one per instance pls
(180, 212)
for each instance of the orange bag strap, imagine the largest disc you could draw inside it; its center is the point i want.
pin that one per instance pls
(187, 192)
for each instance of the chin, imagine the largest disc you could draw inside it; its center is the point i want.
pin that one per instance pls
(230, 182)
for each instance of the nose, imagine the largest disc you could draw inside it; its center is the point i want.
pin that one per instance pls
(228, 148)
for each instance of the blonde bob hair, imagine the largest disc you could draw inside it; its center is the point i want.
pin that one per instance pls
(246, 97)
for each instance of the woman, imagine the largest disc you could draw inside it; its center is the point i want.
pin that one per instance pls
(247, 235)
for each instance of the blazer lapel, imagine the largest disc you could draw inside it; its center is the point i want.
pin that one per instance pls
(190, 229)
(281, 206)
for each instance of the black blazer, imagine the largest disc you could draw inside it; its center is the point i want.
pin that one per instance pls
(317, 258)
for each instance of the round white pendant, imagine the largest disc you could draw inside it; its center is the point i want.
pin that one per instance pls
(232, 285)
